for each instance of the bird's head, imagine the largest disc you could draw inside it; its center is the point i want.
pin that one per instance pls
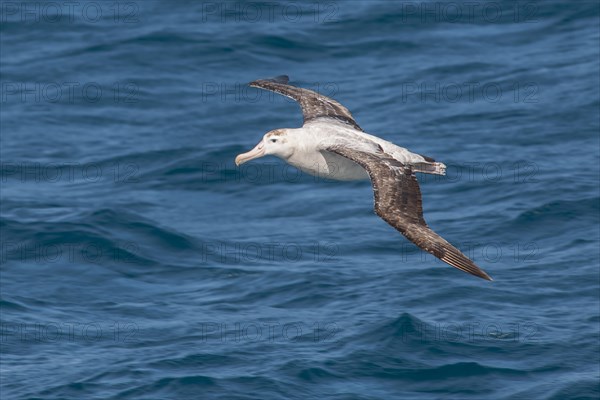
(276, 143)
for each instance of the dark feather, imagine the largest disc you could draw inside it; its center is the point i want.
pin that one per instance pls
(398, 202)
(314, 105)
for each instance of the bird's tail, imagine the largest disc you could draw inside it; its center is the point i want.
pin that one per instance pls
(435, 168)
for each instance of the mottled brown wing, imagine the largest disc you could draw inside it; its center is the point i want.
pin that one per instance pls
(398, 202)
(313, 104)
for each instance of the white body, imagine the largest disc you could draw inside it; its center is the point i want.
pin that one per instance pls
(309, 155)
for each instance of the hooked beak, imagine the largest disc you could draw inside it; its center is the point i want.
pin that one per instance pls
(256, 152)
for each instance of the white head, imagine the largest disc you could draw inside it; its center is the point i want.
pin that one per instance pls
(276, 143)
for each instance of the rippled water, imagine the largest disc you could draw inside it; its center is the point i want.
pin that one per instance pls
(138, 262)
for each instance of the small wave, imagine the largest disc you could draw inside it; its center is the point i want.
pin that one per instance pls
(559, 211)
(6, 305)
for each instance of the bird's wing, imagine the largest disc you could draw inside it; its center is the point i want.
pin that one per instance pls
(313, 104)
(398, 202)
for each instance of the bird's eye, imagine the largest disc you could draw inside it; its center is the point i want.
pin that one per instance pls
(273, 140)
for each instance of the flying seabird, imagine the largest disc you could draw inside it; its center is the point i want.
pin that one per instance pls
(332, 145)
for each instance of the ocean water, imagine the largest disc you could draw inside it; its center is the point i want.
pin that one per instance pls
(138, 262)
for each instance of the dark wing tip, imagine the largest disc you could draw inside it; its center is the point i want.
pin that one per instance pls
(281, 79)
(460, 261)
(278, 79)
(485, 276)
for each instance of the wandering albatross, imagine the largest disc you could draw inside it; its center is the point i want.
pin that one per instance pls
(332, 145)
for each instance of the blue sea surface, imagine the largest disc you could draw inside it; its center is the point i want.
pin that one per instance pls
(138, 262)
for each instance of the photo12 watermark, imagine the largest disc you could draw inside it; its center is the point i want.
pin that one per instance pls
(218, 332)
(292, 12)
(470, 332)
(524, 253)
(240, 92)
(26, 172)
(71, 12)
(69, 331)
(467, 12)
(469, 92)
(83, 252)
(255, 252)
(68, 92)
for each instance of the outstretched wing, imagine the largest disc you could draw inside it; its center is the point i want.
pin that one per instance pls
(398, 202)
(313, 104)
